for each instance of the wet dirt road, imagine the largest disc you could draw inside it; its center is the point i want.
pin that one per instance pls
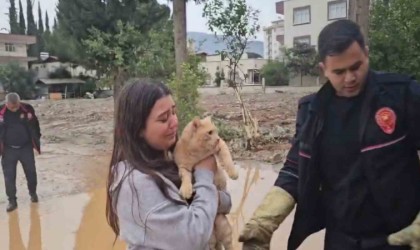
(77, 221)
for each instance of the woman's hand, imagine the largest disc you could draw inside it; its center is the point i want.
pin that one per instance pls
(208, 163)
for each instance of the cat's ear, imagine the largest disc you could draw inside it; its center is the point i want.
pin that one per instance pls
(196, 122)
(208, 118)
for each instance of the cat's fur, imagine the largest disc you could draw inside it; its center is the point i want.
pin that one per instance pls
(198, 141)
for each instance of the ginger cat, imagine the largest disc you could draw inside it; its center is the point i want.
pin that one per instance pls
(198, 141)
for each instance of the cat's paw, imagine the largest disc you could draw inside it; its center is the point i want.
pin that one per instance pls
(186, 190)
(233, 173)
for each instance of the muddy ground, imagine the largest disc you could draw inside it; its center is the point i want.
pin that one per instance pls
(77, 138)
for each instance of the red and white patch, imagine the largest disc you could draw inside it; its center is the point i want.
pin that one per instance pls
(386, 120)
(22, 116)
(29, 116)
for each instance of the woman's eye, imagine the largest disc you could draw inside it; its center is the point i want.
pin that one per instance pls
(164, 120)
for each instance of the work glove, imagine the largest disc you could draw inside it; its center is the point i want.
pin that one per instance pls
(409, 236)
(275, 207)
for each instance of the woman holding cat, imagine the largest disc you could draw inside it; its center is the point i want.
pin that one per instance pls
(143, 204)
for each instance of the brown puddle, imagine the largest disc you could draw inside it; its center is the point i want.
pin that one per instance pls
(94, 232)
(78, 221)
(48, 225)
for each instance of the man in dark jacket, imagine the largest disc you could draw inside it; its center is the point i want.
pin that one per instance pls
(353, 167)
(19, 135)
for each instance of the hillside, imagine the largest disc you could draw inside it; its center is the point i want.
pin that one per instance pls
(210, 44)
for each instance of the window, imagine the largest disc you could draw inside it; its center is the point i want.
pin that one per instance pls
(337, 10)
(10, 47)
(302, 15)
(302, 40)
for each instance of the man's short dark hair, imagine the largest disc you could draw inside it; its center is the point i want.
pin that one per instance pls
(337, 37)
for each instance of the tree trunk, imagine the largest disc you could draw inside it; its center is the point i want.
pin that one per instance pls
(301, 79)
(359, 11)
(180, 34)
(120, 76)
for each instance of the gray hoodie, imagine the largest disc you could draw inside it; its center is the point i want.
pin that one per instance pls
(151, 221)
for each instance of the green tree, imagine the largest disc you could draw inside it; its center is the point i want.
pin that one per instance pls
(236, 23)
(130, 53)
(55, 25)
(275, 73)
(60, 72)
(22, 25)
(302, 60)
(32, 29)
(47, 23)
(158, 60)
(58, 44)
(395, 35)
(40, 33)
(40, 22)
(16, 79)
(185, 92)
(14, 25)
(77, 17)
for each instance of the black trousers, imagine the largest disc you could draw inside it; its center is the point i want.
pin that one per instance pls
(9, 160)
(339, 241)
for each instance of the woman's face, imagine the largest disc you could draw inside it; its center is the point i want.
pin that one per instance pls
(162, 124)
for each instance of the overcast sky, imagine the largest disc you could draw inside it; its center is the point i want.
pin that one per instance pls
(194, 12)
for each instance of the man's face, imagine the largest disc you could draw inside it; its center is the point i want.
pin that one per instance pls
(13, 106)
(347, 71)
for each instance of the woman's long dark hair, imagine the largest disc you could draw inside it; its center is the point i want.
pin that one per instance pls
(133, 107)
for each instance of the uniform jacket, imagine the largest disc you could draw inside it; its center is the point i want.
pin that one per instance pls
(31, 121)
(389, 137)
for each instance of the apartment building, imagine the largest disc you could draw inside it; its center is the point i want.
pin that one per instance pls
(274, 40)
(304, 19)
(13, 48)
(249, 68)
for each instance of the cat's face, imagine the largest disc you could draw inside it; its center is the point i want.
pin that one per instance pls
(204, 134)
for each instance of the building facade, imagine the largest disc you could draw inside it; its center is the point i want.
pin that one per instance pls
(44, 68)
(304, 19)
(248, 68)
(274, 40)
(13, 49)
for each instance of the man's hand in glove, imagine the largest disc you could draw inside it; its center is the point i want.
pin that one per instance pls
(409, 236)
(275, 207)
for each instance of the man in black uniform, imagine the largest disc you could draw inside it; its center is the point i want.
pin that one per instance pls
(19, 134)
(353, 167)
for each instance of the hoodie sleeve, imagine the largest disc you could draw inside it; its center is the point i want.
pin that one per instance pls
(185, 227)
(163, 224)
(225, 202)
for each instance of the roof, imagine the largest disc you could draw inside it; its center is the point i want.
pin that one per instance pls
(60, 81)
(17, 39)
(50, 59)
